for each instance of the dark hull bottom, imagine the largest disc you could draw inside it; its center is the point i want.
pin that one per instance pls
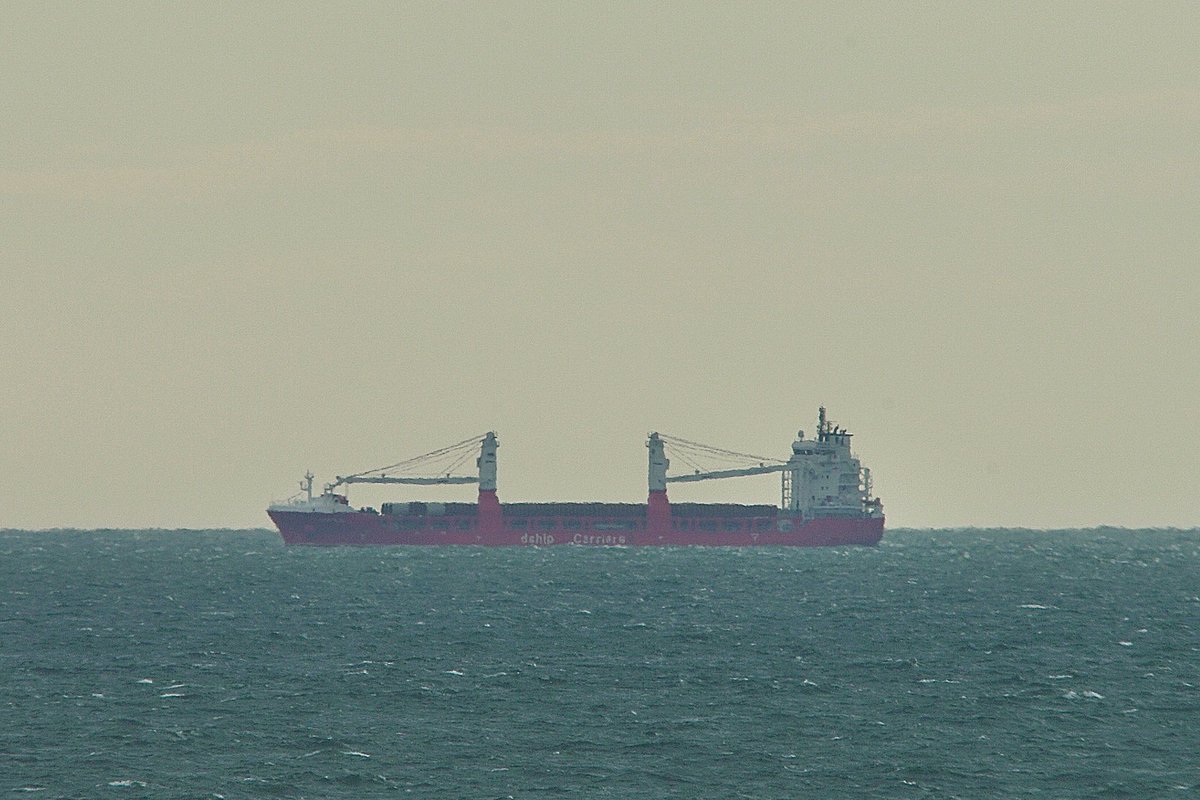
(364, 528)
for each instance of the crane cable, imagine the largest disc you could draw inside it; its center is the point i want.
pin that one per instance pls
(691, 452)
(459, 451)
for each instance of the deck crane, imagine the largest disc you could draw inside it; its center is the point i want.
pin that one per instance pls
(693, 452)
(727, 473)
(416, 479)
(441, 462)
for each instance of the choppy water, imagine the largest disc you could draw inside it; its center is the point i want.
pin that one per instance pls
(941, 664)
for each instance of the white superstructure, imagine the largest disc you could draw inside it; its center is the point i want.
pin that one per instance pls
(822, 478)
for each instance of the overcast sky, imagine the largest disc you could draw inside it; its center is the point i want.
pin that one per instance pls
(240, 241)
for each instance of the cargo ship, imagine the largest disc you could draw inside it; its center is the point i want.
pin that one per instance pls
(825, 499)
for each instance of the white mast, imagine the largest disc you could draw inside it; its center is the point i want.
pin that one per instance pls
(658, 464)
(487, 462)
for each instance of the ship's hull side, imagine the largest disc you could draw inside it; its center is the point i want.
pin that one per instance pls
(720, 528)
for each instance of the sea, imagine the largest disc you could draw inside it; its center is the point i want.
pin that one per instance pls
(940, 664)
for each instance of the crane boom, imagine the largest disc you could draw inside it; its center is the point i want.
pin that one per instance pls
(727, 473)
(420, 481)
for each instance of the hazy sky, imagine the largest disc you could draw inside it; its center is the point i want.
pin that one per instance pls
(243, 240)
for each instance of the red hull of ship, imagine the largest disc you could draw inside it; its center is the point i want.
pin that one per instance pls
(655, 525)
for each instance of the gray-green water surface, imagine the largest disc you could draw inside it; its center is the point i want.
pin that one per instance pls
(940, 664)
